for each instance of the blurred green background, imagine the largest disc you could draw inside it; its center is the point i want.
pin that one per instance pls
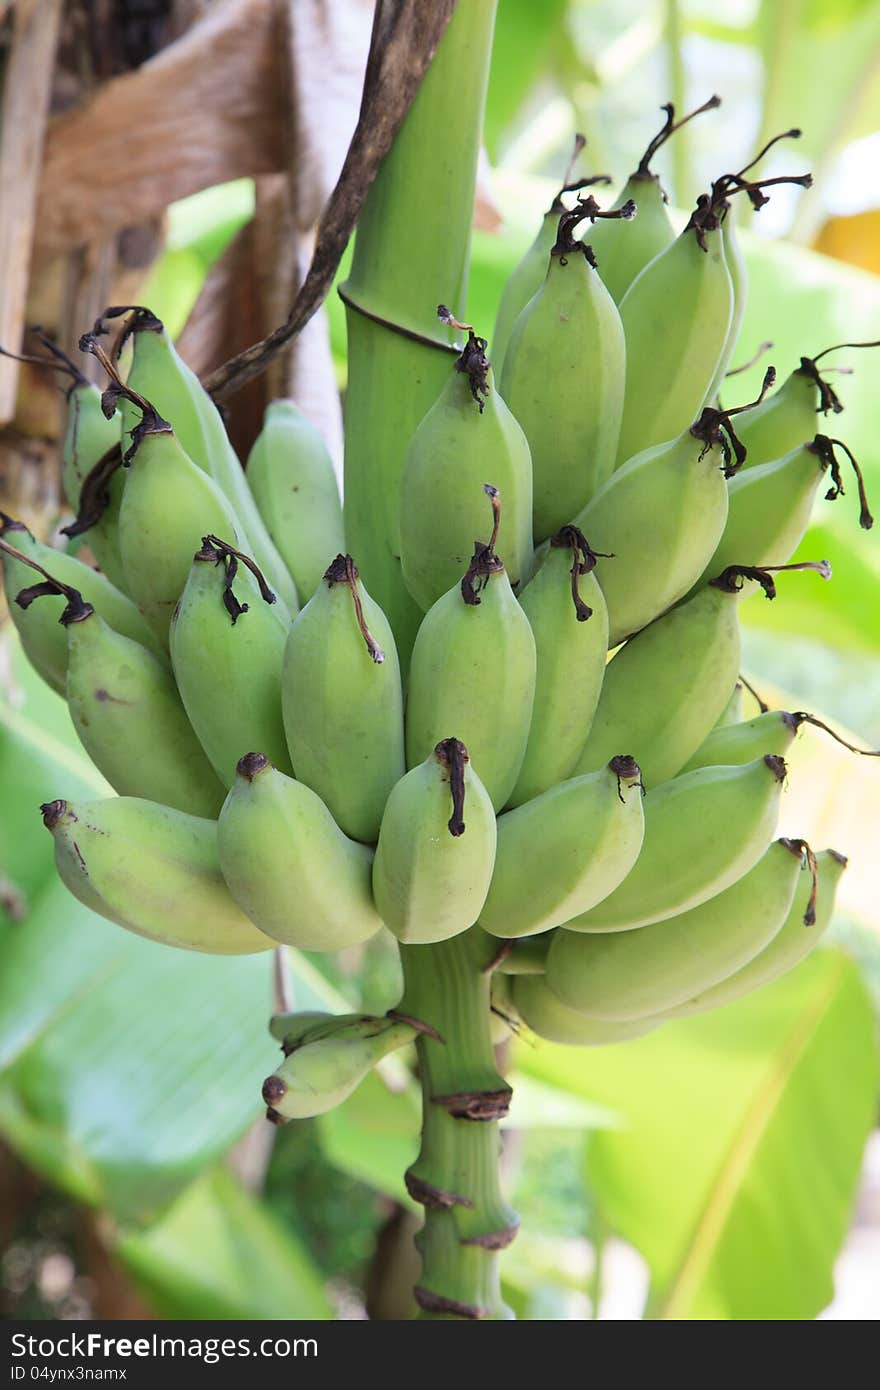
(706, 1171)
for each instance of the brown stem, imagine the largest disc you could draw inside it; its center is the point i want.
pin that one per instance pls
(76, 608)
(343, 570)
(713, 425)
(583, 560)
(803, 717)
(755, 357)
(151, 421)
(762, 704)
(671, 125)
(452, 754)
(484, 562)
(823, 446)
(221, 552)
(727, 580)
(94, 495)
(801, 847)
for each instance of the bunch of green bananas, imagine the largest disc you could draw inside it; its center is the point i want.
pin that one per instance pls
(561, 762)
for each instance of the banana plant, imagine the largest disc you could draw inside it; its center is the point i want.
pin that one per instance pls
(417, 729)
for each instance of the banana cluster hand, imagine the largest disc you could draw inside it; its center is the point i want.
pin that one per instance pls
(560, 768)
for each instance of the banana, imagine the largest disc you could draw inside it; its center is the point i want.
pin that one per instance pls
(151, 870)
(160, 375)
(87, 437)
(436, 848)
(703, 831)
(731, 745)
(563, 376)
(569, 619)
(528, 275)
(620, 259)
(662, 516)
(667, 687)
(628, 975)
(546, 1015)
(342, 701)
(91, 462)
(468, 435)
(788, 417)
(809, 917)
(565, 851)
(733, 710)
(328, 1062)
(42, 637)
(473, 670)
(291, 476)
(289, 866)
(227, 657)
(127, 712)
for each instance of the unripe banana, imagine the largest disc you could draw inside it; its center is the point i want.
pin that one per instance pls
(152, 870)
(529, 274)
(91, 475)
(731, 745)
(100, 503)
(620, 259)
(791, 944)
(473, 670)
(771, 506)
(703, 831)
(565, 851)
(328, 1062)
(127, 712)
(291, 476)
(289, 866)
(227, 657)
(733, 710)
(569, 619)
(159, 374)
(468, 435)
(620, 976)
(87, 437)
(436, 848)
(547, 1016)
(563, 377)
(342, 701)
(38, 625)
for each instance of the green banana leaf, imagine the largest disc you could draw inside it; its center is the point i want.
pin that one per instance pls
(735, 1169)
(218, 1254)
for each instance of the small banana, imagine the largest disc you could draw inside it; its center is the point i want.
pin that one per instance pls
(38, 625)
(126, 709)
(563, 376)
(91, 476)
(227, 657)
(328, 1062)
(529, 274)
(662, 516)
(809, 917)
(731, 745)
(703, 831)
(289, 866)
(160, 375)
(291, 476)
(436, 848)
(544, 1012)
(788, 417)
(151, 870)
(620, 259)
(733, 710)
(565, 851)
(468, 435)
(626, 975)
(569, 619)
(473, 670)
(342, 701)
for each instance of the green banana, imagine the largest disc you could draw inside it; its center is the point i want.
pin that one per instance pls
(160, 375)
(731, 745)
(546, 1015)
(342, 701)
(563, 376)
(43, 639)
(565, 851)
(152, 870)
(468, 435)
(569, 619)
(436, 848)
(328, 1062)
(788, 417)
(620, 259)
(289, 866)
(473, 670)
(291, 476)
(703, 831)
(529, 273)
(126, 709)
(619, 976)
(791, 944)
(733, 710)
(91, 460)
(667, 687)
(227, 657)
(662, 516)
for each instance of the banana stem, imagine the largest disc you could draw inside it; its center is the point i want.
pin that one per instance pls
(456, 1175)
